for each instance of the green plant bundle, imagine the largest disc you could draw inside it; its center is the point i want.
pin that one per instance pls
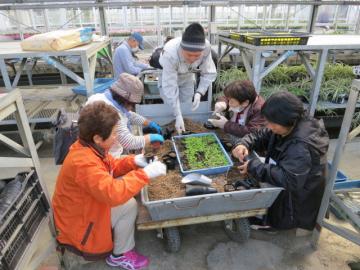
(232, 74)
(203, 152)
(295, 79)
(332, 88)
(338, 70)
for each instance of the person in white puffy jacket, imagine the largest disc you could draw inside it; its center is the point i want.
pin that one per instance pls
(123, 95)
(180, 59)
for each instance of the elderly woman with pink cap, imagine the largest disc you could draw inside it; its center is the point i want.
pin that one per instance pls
(123, 95)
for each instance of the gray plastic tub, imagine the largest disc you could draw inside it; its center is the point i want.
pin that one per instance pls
(210, 204)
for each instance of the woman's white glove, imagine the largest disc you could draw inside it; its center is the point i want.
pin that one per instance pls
(155, 169)
(220, 107)
(220, 123)
(140, 161)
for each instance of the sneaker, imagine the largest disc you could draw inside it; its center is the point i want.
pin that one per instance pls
(130, 260)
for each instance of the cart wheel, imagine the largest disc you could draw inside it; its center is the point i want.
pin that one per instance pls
(237, 229)
(172, 238)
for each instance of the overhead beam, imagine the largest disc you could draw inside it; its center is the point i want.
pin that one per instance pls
(52, 4)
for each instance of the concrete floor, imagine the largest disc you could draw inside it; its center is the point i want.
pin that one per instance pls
(206, 246)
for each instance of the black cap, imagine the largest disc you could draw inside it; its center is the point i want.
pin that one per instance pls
(193, 38)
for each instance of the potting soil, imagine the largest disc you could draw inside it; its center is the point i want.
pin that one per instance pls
(170, 186)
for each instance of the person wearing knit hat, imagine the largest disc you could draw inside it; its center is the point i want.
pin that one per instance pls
(180, 59)
(124, 59)
(296, 146)
(123, 95)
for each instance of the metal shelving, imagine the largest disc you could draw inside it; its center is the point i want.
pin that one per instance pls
(87, 53)
(333, 197)
(320, 44)
(11, 103)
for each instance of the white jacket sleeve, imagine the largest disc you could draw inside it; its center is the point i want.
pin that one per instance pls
(169, 82)
(207, 74)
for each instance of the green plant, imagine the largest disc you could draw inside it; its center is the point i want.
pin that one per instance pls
(232, 74)
(338, 70)
(326, 111)
(277, 76)
(331, 89)
(267, 91)
(203, 152)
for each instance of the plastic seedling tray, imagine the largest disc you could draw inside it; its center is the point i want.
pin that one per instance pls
(340, 175)
(280, 38)
(206, 170)
(100, 85)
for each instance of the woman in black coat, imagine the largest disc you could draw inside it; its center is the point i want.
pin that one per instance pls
(296, 148)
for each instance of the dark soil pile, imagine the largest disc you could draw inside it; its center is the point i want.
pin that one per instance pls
(170, 186)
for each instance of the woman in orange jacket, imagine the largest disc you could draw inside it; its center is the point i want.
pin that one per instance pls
(94, 211)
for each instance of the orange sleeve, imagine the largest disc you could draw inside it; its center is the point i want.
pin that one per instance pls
(123, 165)
(94, 178)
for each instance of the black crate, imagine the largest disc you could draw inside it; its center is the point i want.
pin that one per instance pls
(21, 221)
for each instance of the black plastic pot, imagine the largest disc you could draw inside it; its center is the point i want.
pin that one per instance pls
(170, 163)
(208, 125)
(150, 158)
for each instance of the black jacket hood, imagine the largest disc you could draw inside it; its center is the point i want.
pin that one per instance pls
(312, 132)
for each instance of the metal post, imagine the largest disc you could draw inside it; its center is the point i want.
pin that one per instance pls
(287, 17)
(62, 75)
(239, 18)
(317, 80)
(103, 25)
(340, 146)
(88, 73)
(246, 63)
(18, 23)
(96, 23)
(336, 16)
(46, 20)
(158, 26)
(78, 12)
(170, 22)
(257, 67)
(32, 19)
(5, 74)
(218, 68)
(357, 28)
(185, 13)
(263, 24)
(312, 19)
(104, 29)
(212, 21)
(125, 22)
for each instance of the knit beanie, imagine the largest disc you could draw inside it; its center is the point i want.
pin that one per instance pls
(283, 108)
(193, 38)
(129, 87)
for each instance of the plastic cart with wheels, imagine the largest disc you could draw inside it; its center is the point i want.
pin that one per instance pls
(231, 207)
(236, 225)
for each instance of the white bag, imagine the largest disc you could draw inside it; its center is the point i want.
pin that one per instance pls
(58, 40)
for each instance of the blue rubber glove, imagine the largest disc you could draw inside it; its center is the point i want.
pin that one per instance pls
(156, 138)
(154, 125)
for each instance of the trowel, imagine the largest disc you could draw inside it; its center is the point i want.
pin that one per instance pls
(196, 179)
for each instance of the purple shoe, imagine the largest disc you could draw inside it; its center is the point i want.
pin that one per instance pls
(130, 260)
